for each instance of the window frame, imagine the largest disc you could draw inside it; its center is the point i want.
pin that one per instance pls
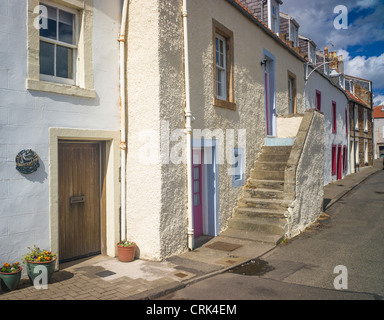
(365, 120)
(292, 93)
(356, 117)
(318, 100)
(334, 117)
(366, 151)
(84, 86)
(74, 47)
(229, 102)
(357, 150)
(239, 159)
(344, 159)
(334, 160)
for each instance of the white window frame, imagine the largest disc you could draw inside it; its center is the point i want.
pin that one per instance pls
(238, 167)
(365, 151)
(311, 53)
(221, 69)
(356, 119)
(74, 47)
(365, 120)
(84, 78)
(293, 33)
(274, 19)
(357, 151)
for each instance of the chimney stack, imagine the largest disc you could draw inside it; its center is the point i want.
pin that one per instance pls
(326, 51)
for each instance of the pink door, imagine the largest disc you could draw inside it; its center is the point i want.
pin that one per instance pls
(267, 106)
(197, 193)
(339, 162)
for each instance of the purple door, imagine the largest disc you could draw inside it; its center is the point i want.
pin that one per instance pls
(197, 193)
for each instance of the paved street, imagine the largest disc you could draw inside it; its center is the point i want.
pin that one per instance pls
(351, 234)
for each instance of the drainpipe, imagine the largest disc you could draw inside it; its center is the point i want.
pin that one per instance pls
(188, 128)
(123, 143)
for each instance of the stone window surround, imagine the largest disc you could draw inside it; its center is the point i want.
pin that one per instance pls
(219, 29)
(85, 86)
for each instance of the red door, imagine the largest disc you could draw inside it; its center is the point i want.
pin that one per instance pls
(339, 163)
(197, 193)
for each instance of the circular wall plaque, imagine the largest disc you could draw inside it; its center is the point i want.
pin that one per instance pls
(27, 161)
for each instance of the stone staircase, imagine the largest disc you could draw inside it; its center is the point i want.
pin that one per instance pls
(261, 211)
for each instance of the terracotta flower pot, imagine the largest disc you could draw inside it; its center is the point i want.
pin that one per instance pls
(126, 254)
(31, 266)
(10, 281)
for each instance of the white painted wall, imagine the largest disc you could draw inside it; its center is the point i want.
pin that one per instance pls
(26, 116)
(329, 93)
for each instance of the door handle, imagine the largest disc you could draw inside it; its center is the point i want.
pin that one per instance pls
(77, 199)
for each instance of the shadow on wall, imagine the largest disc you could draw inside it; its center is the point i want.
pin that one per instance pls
(40, 175)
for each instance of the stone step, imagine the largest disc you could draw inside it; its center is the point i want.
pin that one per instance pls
(252, 235)
(276, 149)
(267, 174)
(261, 193)
(267, 225)
(273, 157)
(270, 165)
(264, 203)
(259, 213)
(266, 184)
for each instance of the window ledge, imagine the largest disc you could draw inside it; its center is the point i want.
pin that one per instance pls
(59, 88)
(224, 104)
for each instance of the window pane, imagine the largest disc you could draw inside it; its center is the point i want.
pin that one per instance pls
(196, 199)
(50, 31)
(196, 185)
(196, 173)
(219, 81)
(47, 58)
(66, 26)
(64, 62)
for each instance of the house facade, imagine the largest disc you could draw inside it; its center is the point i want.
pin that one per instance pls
(378, 134)
(361, 122)
(238, 95)
(157, 121)
(59, 97)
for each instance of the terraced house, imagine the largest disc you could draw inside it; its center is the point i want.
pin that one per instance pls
(158, 121)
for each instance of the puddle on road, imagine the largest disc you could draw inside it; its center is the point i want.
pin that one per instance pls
(256, 267)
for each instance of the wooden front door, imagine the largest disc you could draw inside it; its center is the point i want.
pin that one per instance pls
(79, 200)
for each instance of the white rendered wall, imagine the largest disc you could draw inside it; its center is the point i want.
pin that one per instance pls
(329, 93)
(26, 116)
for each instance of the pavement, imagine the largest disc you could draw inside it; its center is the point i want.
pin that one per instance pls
(105, 278)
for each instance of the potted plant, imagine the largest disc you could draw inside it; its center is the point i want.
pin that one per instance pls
(10, 275)
(126, 250)
(37, 258)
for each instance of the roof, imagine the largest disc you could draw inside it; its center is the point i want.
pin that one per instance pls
(288, 17)
(244, 10)
(378, 112)
(357, 99)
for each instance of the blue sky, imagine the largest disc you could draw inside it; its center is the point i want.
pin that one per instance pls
(362, 44)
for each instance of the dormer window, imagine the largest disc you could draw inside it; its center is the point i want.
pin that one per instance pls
(293, 34)
(311, 53)
(274, 14)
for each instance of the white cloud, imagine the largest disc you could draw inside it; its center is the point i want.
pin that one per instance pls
(364, 4)
(378, 100)
(371, 68)
(316, 22)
